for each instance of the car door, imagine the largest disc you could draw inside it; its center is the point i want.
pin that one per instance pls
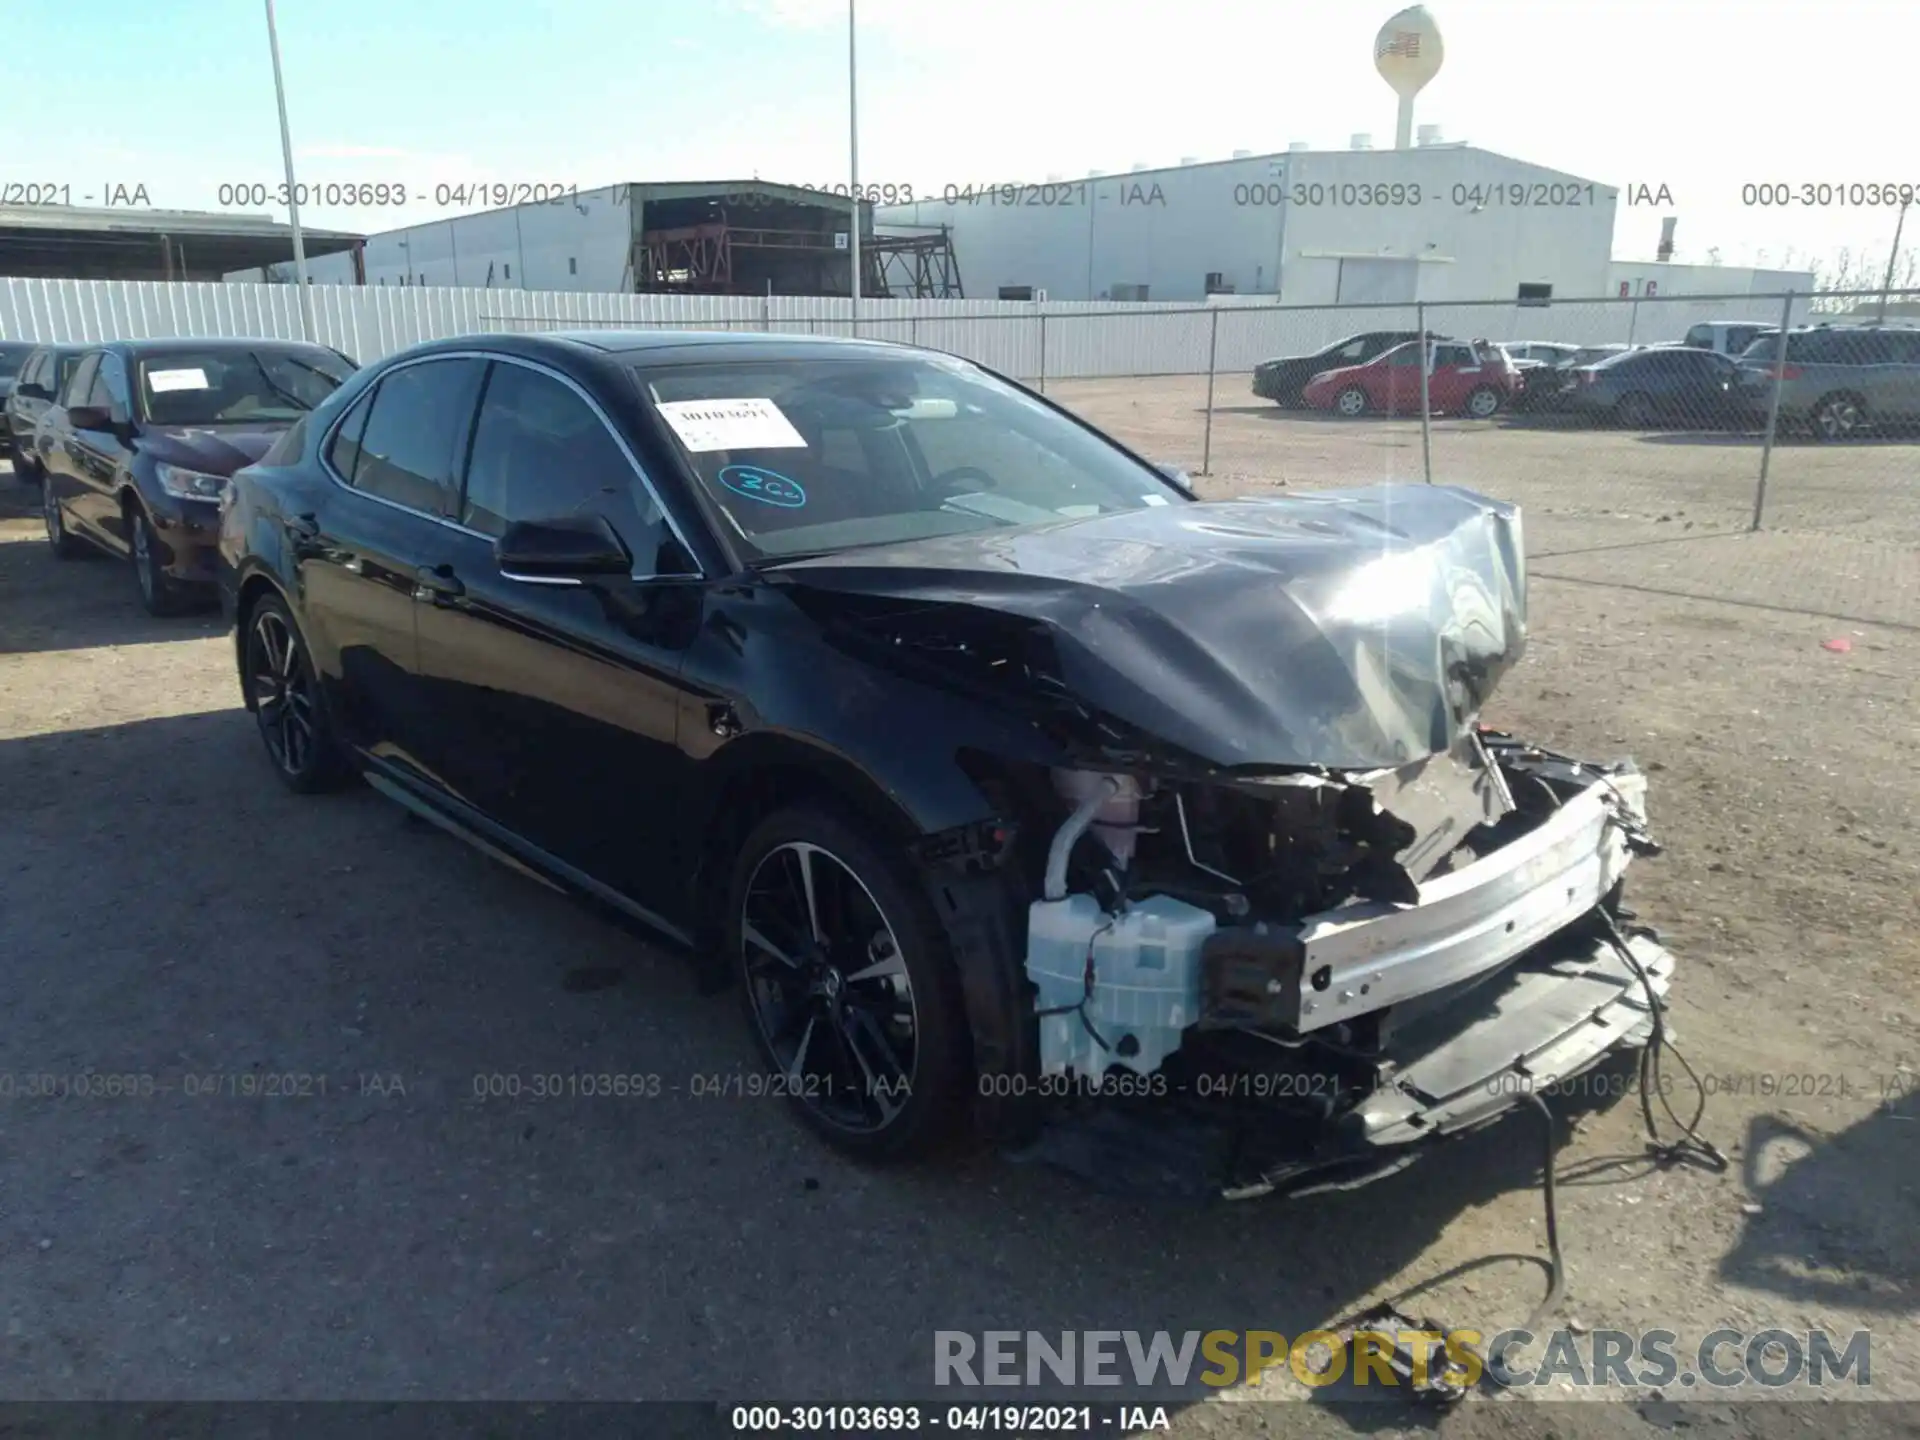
(1456, 371)
(1900, 387)
(395, 458)
(101, 456)
(1394, 380)
(58, 455)
(25, 403)
(556, 698)
(1695, 391)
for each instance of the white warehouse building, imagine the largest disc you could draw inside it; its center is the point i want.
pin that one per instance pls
(1435, 222)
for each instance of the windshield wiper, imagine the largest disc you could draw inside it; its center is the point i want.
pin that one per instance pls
(275, 386)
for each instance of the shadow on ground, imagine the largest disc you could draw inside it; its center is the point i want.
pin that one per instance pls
(430, 1203)
(1838, 1213)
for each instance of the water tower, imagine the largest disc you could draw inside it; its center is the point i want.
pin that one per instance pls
(1407, 53)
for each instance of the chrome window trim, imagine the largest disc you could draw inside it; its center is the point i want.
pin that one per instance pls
(639, 470)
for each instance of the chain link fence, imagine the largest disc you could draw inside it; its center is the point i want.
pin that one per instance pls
(1628, 428)
(1620, 440)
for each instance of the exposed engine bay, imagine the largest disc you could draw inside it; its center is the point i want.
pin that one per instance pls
(1377, 957)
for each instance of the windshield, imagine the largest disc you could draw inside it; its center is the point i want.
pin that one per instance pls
(230, 386)
(805, 456)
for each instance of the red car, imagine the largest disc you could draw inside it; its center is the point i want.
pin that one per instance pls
(1475, 380)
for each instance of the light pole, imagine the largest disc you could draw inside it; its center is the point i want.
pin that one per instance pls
(1892, 256)
(293, 193)
(853, 157)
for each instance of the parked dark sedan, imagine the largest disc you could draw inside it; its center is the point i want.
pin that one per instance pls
(1285, 381)
(138, 452)
(1663, 384)
(13, 355)
(982, 758)
(41, 379)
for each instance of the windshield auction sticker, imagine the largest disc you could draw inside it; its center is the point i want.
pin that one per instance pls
(160, 381)
(731, 425)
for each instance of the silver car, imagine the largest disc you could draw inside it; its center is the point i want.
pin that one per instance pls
(1839, 381)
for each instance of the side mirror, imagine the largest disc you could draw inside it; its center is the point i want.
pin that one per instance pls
(89, 417)
(563, 548)
(1182, 481)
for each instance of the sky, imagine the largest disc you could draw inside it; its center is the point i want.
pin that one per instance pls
(1699, 96)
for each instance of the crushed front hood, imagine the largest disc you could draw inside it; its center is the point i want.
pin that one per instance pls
(1352, 629)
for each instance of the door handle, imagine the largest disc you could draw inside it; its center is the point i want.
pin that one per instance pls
(437, 582)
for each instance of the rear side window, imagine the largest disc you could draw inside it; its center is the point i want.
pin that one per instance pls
(1700, 336)
(541, 452)
(410, 449)
(1903, 347)
(343, 454)
(81, 381)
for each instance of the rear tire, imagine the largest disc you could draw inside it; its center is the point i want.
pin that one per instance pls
(863, 1027)
(59, 540)
(1351, 402)
(288, 704)
(1838, 417)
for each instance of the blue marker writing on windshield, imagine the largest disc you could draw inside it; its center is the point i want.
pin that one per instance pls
(767, 486)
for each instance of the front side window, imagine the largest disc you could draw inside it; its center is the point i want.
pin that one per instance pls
(1407, 357)
(541, 452)
(1352, 351)
(227, 385)
(64, 378)
(802, 456)
(1700, 337)
(409, 452)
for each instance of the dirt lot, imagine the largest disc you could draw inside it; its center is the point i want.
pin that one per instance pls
(167, 911)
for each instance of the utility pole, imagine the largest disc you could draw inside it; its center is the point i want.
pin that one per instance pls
(853, 156)
(293, 191)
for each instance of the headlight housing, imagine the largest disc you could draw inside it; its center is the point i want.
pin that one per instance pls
(190, 484)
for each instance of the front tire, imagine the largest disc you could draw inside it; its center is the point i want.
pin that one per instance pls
(1351, 402)
(848, 985)
(158, 595)
(287, 702)
(1483, 403)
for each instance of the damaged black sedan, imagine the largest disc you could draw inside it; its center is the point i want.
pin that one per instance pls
(1008, 784)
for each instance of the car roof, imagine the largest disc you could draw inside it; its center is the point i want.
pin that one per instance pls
(213, 344)
(668, 347)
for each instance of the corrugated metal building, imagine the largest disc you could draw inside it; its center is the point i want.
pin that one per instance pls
(1435, 222)
(737, 237)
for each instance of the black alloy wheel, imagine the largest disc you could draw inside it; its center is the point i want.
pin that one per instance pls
(287, 703)
(157, 593)
(847, 988)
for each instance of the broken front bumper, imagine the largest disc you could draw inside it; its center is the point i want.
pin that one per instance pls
(1403, 1024)
(1556, 1016)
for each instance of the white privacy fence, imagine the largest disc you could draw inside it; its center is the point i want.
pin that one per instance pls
(1049, 340)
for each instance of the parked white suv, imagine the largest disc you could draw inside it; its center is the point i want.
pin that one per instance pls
(1727, 337)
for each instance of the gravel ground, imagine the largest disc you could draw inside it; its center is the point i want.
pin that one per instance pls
(167, 911)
